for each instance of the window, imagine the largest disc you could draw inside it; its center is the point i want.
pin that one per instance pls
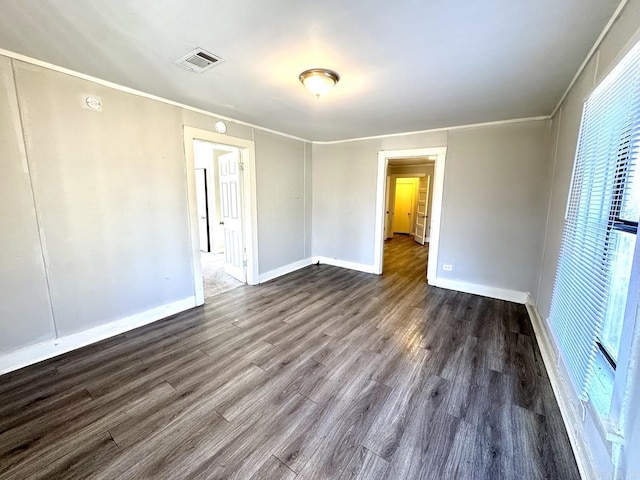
(601, 226)
(625, 210)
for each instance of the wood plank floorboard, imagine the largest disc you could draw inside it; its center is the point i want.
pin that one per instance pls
(273, 469)
(324, 373)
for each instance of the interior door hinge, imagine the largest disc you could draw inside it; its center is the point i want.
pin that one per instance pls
(244, 263)
(241, 166)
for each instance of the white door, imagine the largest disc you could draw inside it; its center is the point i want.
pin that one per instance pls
(422, 220)
(202, 209)
(231, 217)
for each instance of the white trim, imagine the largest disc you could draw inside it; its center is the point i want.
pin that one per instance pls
(436, 203)
(628, 356)
(599, 77)
(439, 129)
(360, 267)
(552, 182)
(53, 348)
(133, 91)
(250, 214)
(593, 50)
(196, 264)
(25, 157)
(571, 418)
(478, 289)
(280, 271)
(249, 203)
(436, 213)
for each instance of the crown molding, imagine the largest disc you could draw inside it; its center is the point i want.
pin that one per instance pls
(591, 53)
(440, 129)
(133, 91)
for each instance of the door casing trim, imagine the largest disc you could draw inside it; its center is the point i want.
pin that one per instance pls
(436, 207)
(249, 202)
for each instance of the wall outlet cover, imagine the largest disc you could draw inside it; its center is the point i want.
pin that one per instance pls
(91, 102)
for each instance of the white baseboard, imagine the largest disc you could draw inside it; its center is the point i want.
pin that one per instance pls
(53, 348)
(278, 272)
(572, 419)
(484, 290)
(360, 267)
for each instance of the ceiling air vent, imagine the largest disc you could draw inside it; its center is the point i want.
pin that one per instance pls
(199, 60)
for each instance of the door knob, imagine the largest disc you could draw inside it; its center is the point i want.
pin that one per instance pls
(221, 223)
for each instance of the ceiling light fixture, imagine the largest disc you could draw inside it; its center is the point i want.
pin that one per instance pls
(319, 81)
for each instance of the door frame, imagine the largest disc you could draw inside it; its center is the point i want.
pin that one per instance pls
(247, 193)
(206, 207)
(436, 206)
(426, 238)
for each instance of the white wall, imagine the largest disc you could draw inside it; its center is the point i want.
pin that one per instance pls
(566, 125)
(25, 310)
(110, 195)
(344, 198)
(493, 210)
(344, 193)
(308, 202)
(111, 201)
(493, 207)
(283, 183)
(281, 169)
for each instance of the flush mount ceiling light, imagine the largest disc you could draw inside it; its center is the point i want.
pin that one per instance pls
(319, 81)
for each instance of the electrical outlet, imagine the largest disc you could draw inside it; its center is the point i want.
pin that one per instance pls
(447, 268)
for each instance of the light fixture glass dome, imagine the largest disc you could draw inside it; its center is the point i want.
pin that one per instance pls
(319, 81)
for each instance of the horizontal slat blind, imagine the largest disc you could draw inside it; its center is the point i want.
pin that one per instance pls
(605, 161)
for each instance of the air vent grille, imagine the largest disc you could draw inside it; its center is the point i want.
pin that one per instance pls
(199, 60)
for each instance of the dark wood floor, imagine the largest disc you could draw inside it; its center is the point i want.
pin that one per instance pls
(323, 373)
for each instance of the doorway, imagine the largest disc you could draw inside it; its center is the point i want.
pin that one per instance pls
(416, 207)
(222, 211)
(424, 170)
(218, 205)
(202, 206)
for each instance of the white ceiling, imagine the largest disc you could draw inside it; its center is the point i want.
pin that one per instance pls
(406, 65)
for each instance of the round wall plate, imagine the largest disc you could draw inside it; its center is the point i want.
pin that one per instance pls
(93, 103)
(220, 127)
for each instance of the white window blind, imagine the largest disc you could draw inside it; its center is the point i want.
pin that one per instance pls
(601, 209)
